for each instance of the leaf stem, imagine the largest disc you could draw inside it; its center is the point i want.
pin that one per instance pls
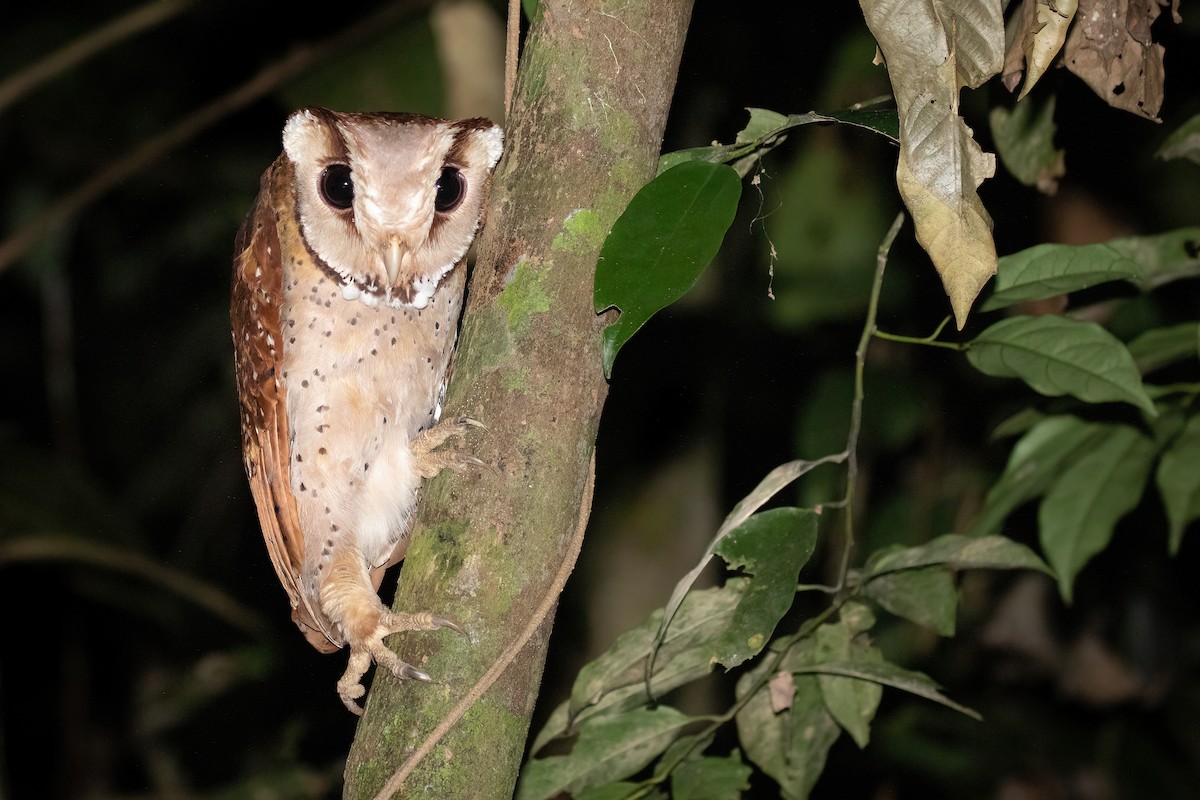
(927, 340)
(860, 362)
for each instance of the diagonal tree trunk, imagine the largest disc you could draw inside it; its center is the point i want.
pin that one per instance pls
(491, 548)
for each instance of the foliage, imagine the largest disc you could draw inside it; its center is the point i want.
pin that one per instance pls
(1088, 460)
(940, 477)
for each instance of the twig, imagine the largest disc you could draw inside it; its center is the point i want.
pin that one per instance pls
(506, 658)
(52, 548)
(150, 151)
(22, 83)
(511, 50)
(860, 362)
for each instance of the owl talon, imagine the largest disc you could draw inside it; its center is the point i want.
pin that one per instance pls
(446, 622)
(372, 648)
(430, 462)
(402, 671)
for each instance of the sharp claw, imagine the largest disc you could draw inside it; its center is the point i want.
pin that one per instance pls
(446, 622)
(411, 672)
(472, 422)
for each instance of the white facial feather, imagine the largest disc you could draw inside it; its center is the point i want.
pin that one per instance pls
(395, 165)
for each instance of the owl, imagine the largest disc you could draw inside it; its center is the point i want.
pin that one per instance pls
(348, 281)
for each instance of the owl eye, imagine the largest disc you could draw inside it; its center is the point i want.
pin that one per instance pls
(337, 189)
(451, 188)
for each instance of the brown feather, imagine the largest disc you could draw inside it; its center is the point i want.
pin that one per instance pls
(257, 293)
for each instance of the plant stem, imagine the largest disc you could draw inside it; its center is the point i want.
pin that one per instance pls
(927, 340)
(860, 362)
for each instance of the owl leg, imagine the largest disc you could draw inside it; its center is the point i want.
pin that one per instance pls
(350, 602)
(429, 461)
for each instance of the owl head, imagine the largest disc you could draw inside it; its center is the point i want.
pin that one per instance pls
(389, 203)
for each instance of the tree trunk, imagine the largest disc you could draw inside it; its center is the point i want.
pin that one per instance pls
(489, 547)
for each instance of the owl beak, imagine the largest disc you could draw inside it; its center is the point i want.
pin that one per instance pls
(393, 256)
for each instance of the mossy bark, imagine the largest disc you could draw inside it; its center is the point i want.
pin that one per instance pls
(592, 95)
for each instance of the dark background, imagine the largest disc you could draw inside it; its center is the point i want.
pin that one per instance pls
(120, 468)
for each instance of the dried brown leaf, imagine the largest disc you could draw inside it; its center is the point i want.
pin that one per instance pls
(1110, 48)
(1046, 38)
(933, 49)
(1016, 32)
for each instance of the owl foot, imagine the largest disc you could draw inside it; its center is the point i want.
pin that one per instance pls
(371, 648)
(429, 462)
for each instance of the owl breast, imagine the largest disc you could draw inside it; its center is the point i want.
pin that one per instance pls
(362, 380)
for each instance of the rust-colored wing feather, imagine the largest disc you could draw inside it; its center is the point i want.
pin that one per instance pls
(257, 292)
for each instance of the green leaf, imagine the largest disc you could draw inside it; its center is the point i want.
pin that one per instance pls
(1165, 257)
(956, 551)
(616, 680)
(790, 746)
(682, 749)
(702, 618)
(608, 749)
(611, 791)
(1078, 514)
(926, 596)
(1159, 347)
(1024, 139)
(852, 703)
(887, 674)
(659, 246)
(1184, 142)
(772, 546)
(1046, 270)
(763, 123)
(711, 778)
(1057, 356)
(711, 154)
(884, 121)
(1036, 461)
(1178, 479)
(775, 481)
(767, 129)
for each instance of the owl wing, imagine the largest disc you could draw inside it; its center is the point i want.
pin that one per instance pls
(256, 294)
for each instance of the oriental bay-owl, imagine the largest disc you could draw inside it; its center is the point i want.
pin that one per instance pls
(347, 286)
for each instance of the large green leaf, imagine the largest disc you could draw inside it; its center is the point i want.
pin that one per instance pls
(887, 674)
(772, 546)
(1178, 479)
(852, 702)
(1057, 356)
(774, 482)
(926, 596)
(608, 749)
(616, 680)
(711, 778)
(1024, 139)
(1046, 270)
(956, 551)
(1159, 347)
(661, 243)
(792, 745)
(1166, 256)
(1079, 512)
(767, 129)
(1036, 460)
(1184, 142)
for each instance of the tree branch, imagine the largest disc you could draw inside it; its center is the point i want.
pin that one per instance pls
(588, 113)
